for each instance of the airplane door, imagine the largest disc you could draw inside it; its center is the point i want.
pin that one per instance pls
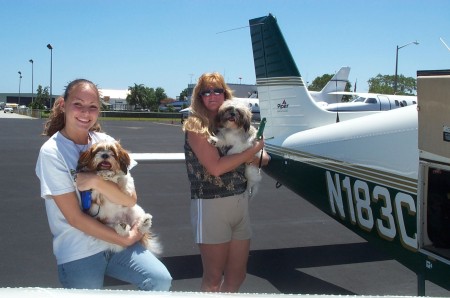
(433, 94)
(385, 103)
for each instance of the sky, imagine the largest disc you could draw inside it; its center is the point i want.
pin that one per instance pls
(170, 43)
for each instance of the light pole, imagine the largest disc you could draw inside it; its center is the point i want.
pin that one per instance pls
(49, 46)
(396, 62)
(20, 81)
(32, 80)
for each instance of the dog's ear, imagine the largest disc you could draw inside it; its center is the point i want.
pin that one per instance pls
(124, 160)
(247, 123)
(83, 161)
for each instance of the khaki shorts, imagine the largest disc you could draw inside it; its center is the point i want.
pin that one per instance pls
(220, 220)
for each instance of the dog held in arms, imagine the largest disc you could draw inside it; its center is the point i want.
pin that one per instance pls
(110, 161)
(235, 135)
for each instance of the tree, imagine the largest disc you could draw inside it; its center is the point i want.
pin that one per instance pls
(319, 82)
(150, 100)
(144, 97)
(384, 84)
(42, 97)
(136, 95)
(184, 94)
(160, 95)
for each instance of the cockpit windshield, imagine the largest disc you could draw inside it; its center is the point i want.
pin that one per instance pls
(360, 99)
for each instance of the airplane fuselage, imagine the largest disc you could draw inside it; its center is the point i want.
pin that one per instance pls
(373, 102)
(373, 194)
(382, 174)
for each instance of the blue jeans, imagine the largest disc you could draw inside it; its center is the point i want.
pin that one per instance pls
(134, 265)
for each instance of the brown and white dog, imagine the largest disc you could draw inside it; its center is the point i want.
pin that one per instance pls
(235, 135)
(110, 161)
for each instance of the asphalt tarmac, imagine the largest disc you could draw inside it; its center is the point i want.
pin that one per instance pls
(295, 247)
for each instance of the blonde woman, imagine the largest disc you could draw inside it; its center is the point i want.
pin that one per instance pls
(219, 207)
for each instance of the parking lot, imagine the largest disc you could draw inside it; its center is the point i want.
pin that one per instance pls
(295, 247)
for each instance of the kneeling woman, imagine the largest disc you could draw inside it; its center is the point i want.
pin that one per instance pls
(83, 261)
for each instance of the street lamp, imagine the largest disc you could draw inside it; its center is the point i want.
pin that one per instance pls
(396, 62)
(32, 80)
(49, 46)
(20, 81)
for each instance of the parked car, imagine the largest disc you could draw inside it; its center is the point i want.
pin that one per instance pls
(8, 110)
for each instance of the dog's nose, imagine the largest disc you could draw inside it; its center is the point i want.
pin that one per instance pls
(105, 156)
(233, 114)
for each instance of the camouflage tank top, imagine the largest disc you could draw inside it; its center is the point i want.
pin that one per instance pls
(207, 186)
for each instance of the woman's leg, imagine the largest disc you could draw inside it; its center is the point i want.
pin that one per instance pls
(236, 266)
(86, 273)
(140, 267)
(214, 259)
(224, 265)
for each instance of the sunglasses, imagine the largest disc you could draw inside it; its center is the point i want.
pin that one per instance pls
(216, 91)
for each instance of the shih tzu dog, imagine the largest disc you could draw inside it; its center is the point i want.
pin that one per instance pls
(235, 135)
(110, 161)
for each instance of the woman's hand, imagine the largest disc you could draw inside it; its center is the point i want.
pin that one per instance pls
(112, 192)
(133, 236)
(255, 161)
(86, 180)
(69, 206)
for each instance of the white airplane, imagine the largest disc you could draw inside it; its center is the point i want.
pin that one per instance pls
(384, 175)
(330, 93)
(371, 102)
(252, 102)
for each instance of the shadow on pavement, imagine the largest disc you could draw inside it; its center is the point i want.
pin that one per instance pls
(280, 267)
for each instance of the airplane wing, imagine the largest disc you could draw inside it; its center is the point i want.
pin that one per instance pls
(349, 93)
(157, 157)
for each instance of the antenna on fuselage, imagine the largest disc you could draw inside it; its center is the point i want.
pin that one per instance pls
(336, 90)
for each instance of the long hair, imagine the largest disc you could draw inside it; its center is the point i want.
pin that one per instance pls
(198, 120)
(56, 120)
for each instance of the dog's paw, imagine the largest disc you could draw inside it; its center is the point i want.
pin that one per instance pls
(122, 229)
(145, 223)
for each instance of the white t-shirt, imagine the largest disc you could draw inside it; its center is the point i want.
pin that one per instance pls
(55, 167)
